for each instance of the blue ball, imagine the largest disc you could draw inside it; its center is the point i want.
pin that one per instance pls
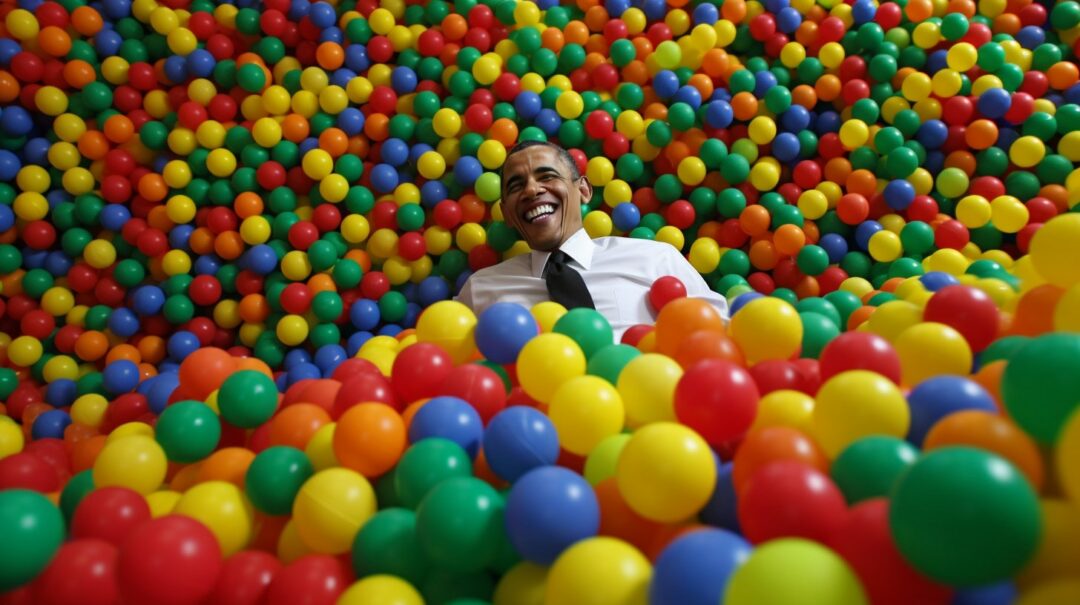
(303, 371)
(332, 34)
(123, 322)
(201, 63)
(788, 20)
(9, 164)
(722, 508)
(50, 425)
(654, 9)
(548, 510)
(179, 236)
(322, 15)
(296, 357)
(390, 330)
(696, 567)
(262, 259)
(148, 300)
(16, 121)
(107, 42)
(57, 262)
(719, 114)
(937, 397)
(351, 121)
(528, 104)
(364, 314)
(764, 81)
(1003, 593)
(665, 84)
(863, 11)
(329, 357)
(616, 8)
(503, 329)
(403, 80)
(706, 13)
(450, 418)
(121, 376)
(899, 194)
(61, 393)
(864, 231)
(994, 103)
(7, 215)
(932, 134)
(357, 340)
(36, 150)
(176, 69)
(433, 192)
(384, 178)
(835, 245)
(394, 152)
(625, 216)
(519, 439)
(467, 170)
(1031, 36)
(689, 95)
(786, 147)
(8, 49)
(433, 289)
(740, 301)
(796, 118)
(549, 121)
(161, 389)
(356, 58)
(181, 344)
(936, 280)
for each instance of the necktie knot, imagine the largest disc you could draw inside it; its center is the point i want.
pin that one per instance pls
(564, 284)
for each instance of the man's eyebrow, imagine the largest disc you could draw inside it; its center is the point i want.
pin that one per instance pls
(539, 170)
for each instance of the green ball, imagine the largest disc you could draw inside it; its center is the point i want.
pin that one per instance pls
(818, 331)
(1040, 384)
(734, 168)
(188, 431)
(622, 52)
(589, 329)
(870, 467)
(609, 361)
(812, 260)
(247, 399)
(658, 133)
(965, 517)
(8, 381)
(274, 478)
(251, 78)
(388, 544)
(425, 465)
(460, 523)
(77, 488)
(33, 529)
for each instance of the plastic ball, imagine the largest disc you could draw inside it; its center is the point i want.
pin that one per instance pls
(459, 524)
(835, 427)
(602, 570)
(36, 527)
(136, 462)
(670, 486)
(811, 571)
(172, 559)
(548, 510)
(221, 507)
(767, 328)
(331, 507)
(502, 330)
(247, 398)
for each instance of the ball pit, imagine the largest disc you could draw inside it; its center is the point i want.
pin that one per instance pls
(232, 369)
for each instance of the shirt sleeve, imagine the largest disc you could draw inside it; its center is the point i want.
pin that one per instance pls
(695, 283)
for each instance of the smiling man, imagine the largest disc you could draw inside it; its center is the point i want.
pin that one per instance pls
(542, 194)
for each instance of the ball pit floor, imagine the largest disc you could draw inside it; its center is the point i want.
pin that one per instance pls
(232, 370)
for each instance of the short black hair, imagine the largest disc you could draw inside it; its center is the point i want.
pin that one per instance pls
(575, 174)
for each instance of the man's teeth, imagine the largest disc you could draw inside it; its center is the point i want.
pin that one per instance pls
(540, 210)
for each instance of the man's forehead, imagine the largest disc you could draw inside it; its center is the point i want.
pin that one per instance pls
(533, 158)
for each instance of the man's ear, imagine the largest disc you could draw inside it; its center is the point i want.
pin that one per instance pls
(585, 188)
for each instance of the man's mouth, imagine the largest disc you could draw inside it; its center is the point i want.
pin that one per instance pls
(539, 212)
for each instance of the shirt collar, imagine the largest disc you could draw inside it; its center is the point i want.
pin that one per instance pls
(579, 247)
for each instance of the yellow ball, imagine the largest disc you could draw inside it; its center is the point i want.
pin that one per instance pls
(1027, 151)
(547, 362)
(765, 175)
(597, 224)
(266, 132)
(666, 472)
(491, 154)
(89, 409)
(331, 507)
(647, 386)
(792, 54)
(691, 171)
(69, 127)
(221, 162)
(51, 101)
(856, 404)
(12, 439)
(569, 105)
(762, 130)
(223, 509)
(916, 86)
(854, 133)
(355, 228)
(380, 590)
(469, 236)
(22, 24)
(292, 330)
(162, 502)
(962, 57)
(1008, 214)
(136, 462)
(617, 192)
(885, 246)
(452, 326)
(317, 164)
(1053, 250)
(784, 408)
(546, 314)
(57, 301)
(667, 54)
(99, 254)
(599, 571)
(603, 460)
(669, 234)
(30, 206)
(524, 584)
(320, 448)
(892, 318)
(600, 171)
(767, 328)
(334, 188)
(431, 165)
(586, 410)
(486, 70)
(931, 349)
(383, 243)
(446, 122)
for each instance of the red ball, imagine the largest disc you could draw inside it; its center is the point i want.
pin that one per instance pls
(374, 284)
(431, 43)
(109, 514)
(245, 578)
(480, 386)
(312, 580)
(205, 290)
(616, 145)
(172, 560)
(478, 118)
(968, 310)
(296, 298)
(303, 234)
(865, 541)
(778, 375)
(448, 214)
(411, 246)
(38, 324)
(718, 399)
(860, 351)
(599, 124)
(270, 175)
(364, 387)
(27, 471)
(665, 290)
(418, 371)
(82, 571)
(680, 214)
(326, 218)
(790, 499)
(951, 234)
(384, 216)
(506, 87)
(350, 367)
(39, 235)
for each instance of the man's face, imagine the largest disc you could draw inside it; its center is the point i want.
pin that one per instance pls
(540, 197)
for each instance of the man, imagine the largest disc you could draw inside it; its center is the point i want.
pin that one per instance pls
(542, 193)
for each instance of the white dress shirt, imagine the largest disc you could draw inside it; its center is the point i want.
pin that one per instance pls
(618, 271)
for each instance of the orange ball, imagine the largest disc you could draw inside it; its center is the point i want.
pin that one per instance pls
(204, 370)
(682, 317)
(296, 424)
(79, 73)
(370, 439)
(708, 344)
(54, 41)
(119, 129)
(774, 444)
(334, 141)
(789, 239)
(330, 55)
(229, 464)
(992, 432)
(86, 21)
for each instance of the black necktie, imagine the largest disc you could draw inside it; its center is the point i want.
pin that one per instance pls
(564, 284)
